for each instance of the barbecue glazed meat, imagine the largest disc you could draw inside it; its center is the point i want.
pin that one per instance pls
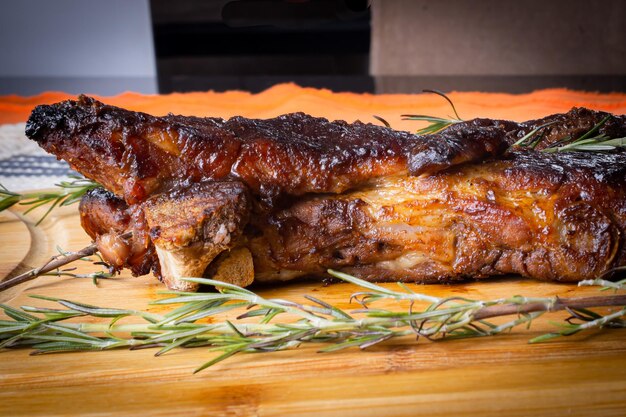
(136, 155)
(296, 195)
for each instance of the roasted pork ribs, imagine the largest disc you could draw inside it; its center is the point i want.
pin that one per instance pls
(275, 199)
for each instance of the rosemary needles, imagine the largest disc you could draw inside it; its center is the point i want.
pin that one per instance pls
(55, 266)
(436, 124)
(68, 192)
(590, 141)
(275, 324)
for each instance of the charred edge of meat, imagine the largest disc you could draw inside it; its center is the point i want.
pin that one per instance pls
(178, 233)
(136, 155)
(572, 124)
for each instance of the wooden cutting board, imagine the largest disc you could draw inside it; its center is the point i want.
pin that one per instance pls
(503, 375)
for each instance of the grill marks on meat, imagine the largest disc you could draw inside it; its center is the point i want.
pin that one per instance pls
(302, 194)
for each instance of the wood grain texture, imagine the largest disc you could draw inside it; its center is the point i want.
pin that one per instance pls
(581, 375)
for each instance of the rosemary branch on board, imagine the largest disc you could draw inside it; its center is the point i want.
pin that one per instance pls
(46, 330)
(52, 267)
(66, 257)
(68, 192)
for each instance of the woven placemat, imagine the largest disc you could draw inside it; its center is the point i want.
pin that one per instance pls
(24, 165)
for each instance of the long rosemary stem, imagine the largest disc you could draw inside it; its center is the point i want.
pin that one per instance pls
(559, 304)
(46, 330)
(329, 326)
(54, 263)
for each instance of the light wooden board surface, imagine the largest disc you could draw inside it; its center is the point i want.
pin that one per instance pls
(582, 375)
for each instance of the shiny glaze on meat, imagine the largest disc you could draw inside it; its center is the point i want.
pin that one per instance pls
(546, 216)
(135, 154)
(304, 194)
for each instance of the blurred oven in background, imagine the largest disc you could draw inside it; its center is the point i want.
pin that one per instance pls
(391, 46)
(510, 46)
(253, 44)
(383, 46)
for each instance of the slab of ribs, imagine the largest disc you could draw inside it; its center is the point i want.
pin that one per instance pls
(271, 200)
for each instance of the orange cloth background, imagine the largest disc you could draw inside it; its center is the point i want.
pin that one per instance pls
(286, 98)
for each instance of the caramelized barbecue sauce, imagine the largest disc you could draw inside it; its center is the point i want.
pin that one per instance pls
(136, 155)
(292, 163)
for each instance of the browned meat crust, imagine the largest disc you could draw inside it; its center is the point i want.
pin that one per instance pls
(104, 216)
(565, 221)
(364, 199)
(561, 222)
(190, 225)
(135, 154)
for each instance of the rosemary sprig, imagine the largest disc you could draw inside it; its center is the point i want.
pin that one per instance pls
(47, 330)
(106, 272)
(53, 266)
(590, 141)
(68, 192)
(594, 144)
(526, 140)
(436, 124)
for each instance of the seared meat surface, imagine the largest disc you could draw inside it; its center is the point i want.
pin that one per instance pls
(300, 195)
(136, 155)
(476, 221)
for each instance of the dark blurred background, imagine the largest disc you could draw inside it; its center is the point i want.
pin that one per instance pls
(252, 45)
(391, 46)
